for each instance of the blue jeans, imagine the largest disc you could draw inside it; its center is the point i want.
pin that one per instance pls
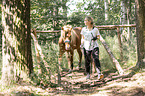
(95, 54)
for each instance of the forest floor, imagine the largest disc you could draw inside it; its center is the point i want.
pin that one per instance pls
(75, 84)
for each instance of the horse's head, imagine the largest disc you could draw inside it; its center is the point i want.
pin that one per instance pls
(66, 35)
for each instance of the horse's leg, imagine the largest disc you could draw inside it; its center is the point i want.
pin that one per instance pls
(70, 60)
(61, 52)
(80, 57)
(93, 67)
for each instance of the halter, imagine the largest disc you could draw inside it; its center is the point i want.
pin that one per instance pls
(66, 41)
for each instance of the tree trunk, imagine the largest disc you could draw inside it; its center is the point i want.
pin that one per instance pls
(123, 12)
(140, 31)
(106, 9)
(127, 7)
(128, 19)
(16, 41)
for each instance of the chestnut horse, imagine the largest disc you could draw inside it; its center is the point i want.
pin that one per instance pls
(70, 40)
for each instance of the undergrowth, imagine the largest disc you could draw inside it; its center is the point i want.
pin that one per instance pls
(129, 53)
(50, 51)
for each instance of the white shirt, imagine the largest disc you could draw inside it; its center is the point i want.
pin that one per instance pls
(90, 44)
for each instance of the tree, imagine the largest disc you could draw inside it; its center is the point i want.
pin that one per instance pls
(16, 40)
(48, 14)
(123, 13)
(106, 10)
(140, 31)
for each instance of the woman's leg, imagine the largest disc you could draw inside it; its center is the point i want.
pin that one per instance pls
(95, 54)
(87, 55)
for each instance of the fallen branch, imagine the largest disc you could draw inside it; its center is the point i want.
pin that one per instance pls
(115, 62)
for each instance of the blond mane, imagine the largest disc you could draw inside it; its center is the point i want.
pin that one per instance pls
(65, 28)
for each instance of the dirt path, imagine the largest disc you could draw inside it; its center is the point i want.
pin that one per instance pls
(75, 84)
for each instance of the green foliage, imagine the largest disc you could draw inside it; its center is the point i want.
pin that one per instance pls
(50, 52)
(48, 14)
(129, 53)
(77, 19)
(52, 15)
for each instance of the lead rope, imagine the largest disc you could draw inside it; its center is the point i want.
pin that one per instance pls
(91, 40)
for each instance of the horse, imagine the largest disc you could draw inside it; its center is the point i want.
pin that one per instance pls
(70, 40)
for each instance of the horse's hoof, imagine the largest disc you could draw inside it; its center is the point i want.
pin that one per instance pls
(70, 71)
(79, 68)
(88, 76)
(85, 73)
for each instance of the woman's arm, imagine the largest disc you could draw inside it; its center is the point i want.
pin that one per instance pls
(82, 39)
(97, 34)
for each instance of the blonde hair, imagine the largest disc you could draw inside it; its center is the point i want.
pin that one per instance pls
(89, 18)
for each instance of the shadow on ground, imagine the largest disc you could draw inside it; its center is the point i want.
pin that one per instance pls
(75, 83)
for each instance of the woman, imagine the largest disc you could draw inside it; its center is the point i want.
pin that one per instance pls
(90, 35)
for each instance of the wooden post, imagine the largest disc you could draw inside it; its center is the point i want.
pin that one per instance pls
(34, 36)
(58, 73)
(40, 55)
(115, 62)
(38, 48)
(120, 44)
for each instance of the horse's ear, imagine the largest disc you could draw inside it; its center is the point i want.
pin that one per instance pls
(62, 28)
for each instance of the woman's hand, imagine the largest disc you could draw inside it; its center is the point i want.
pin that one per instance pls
(95, 38)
